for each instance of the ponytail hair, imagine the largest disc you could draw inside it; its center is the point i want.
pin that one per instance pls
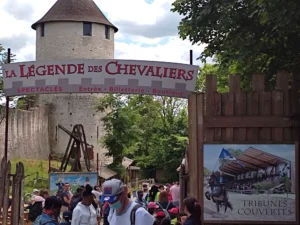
(88, 191)
(194, 208)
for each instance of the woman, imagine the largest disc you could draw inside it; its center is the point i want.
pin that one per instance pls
(163, 201)
(193, 210)
(97, 193)
(85, 212)
(44, 193)
(169, 194)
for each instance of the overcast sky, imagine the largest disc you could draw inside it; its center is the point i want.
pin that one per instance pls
(147, 29)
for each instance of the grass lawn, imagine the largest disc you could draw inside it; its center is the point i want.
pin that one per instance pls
(38, 169)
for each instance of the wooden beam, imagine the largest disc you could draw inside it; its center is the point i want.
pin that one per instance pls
(249, 121)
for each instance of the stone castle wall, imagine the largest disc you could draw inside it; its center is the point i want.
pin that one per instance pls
(69, 110)
(28, 134)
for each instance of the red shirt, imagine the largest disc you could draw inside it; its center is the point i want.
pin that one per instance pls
(170, 197)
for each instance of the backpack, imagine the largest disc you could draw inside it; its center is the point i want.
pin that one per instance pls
(74, 201)
(167, 214)
(35, 210)
(133, 213)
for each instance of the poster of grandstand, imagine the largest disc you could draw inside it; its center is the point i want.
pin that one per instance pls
(250, 183)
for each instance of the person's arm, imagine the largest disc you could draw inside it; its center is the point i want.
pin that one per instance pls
(65, 198)
(76, 217)
(143, 217)
(32, 200)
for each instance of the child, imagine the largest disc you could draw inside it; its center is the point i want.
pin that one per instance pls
(159, 216)
(174, 212)
(152, 208)
(67, 215)
(165, 221)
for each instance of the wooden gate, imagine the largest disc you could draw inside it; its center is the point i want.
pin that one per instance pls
(238, 117)
(16, 216)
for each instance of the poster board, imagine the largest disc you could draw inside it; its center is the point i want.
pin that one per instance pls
(260, 181)
(73, 178)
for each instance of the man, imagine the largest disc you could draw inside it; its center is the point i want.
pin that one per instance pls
(50, 213)
(76, 198)
(161, 188)
(175, 192)
(145, 192)
(65, 198)
(153, 192)
(123, 211)
(97, 193)
(140, 200)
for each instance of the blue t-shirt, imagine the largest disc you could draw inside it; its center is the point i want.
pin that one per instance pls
(63, 195)
(190, 221)
(45, 219)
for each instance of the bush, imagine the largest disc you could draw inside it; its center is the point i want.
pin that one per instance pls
(265, 185)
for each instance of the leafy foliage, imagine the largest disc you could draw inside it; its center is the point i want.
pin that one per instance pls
(151, 130)
(212, 69)
(206, 171)
(253, 35)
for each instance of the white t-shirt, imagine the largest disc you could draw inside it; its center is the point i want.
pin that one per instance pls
(83, 214)
(142, 217)
(39, 199)
(97, 194)
(175, 192)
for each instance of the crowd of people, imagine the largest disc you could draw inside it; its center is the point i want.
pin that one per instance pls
(157, 206)
(249, 182)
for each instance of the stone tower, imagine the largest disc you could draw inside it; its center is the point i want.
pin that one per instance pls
(73, 29)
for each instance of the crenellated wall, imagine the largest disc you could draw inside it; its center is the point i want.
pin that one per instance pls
(28, 134)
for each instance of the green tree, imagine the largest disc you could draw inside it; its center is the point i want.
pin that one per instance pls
(287, 183)
(253, 35)
(213, 69)
(151, 130)
(206, 171)
(119, 126)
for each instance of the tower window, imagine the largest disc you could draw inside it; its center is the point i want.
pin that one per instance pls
(107, 34)
(87, 29)
(42, 29)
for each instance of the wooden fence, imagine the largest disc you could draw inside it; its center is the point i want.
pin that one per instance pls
(16, 215)
(237, 117)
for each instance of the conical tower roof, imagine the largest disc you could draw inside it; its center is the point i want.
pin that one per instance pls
(75, 10)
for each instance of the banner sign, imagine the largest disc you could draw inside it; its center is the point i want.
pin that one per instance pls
(254, 183)
(99, 76)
